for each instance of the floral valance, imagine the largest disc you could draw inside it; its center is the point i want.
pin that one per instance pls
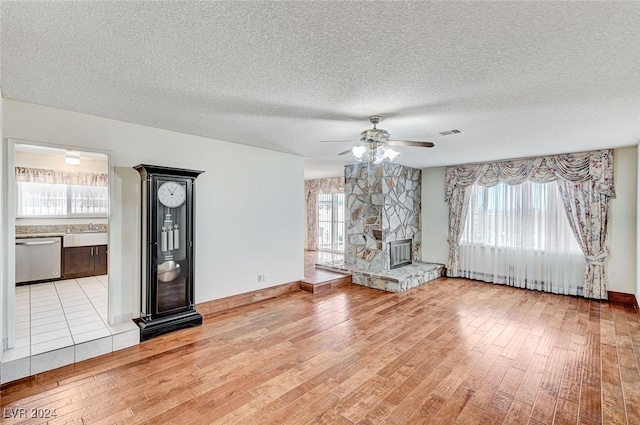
(329, 185)
(42, 175)
(575, 167)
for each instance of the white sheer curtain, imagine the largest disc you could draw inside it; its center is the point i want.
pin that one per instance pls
(311, 190)
(519, 235)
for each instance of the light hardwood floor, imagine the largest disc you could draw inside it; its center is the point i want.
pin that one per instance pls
(450, 351)
(315, 275)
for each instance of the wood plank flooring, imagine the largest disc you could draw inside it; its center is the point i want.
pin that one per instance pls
(319, 281)
(314, 275)
(450, 351)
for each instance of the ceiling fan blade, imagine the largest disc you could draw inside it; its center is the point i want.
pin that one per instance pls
(410, 143)
(339, 141)
(345, 152)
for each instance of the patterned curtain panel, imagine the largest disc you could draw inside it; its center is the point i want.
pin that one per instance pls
(42, 175)
(587, 209)
(311, 190)
(458, 207)
(586, 201)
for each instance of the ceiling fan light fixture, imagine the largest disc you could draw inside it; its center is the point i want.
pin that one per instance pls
(379, 155)
(358, 152)
(391, 154)
(374, 146)
(375, 135)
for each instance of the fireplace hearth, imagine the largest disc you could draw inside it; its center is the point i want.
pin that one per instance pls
(383, 246)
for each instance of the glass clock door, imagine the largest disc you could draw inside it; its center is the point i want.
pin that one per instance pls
(172, 247)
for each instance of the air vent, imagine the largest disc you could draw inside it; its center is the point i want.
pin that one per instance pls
(448, 132)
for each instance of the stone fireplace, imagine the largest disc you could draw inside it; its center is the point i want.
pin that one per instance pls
(383, 223)
(383, 206)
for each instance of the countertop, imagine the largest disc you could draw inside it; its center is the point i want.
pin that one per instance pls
(48, 230)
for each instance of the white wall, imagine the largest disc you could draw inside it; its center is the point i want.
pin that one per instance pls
(3, 275)
(621, 262)
(637, 262)
(57, 162)
(435, 248)
(249, 201)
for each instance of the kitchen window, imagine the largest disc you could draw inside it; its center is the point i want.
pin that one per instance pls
(61, 200)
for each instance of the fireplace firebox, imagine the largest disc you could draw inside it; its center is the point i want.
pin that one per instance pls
(400, 253)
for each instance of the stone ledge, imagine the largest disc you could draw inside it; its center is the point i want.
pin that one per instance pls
(334, 265)
(400, 279)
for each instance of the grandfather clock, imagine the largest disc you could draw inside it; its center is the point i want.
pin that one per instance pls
(167, 301)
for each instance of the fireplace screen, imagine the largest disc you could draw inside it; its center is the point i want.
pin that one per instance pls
(400, 253)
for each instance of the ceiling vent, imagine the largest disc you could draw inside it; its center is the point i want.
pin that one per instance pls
(448, 132)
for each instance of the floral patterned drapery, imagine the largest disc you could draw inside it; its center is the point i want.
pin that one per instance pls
(587, 210)
(586, 185)
(311, 190)
(458, 206)
(43, 175)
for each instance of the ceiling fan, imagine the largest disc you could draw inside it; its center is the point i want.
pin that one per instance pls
(374, 144)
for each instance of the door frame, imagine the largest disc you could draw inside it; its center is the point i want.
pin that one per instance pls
(10, 231)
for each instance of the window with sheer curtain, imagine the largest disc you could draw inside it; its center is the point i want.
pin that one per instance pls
(331, 222)
(60, 200)
(519, 235)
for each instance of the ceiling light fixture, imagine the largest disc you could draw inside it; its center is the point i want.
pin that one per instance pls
(373, 145)
(72, 158)
(368, 152)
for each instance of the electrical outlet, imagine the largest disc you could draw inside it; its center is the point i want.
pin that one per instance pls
(259, 278)
(264, 277)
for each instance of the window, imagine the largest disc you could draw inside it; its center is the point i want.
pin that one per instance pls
(527, 216)
(331, 221)
(61, 200)
(520, 235)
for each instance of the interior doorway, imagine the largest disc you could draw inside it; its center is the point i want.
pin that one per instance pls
(56, 192)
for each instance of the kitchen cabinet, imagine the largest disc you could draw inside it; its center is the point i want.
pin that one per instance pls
(83, 261)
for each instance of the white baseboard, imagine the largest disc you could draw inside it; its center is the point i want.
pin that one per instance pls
(120, 318)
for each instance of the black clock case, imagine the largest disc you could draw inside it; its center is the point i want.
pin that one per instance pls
(154, 320)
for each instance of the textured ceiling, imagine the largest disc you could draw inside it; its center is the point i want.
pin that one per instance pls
(520, 78)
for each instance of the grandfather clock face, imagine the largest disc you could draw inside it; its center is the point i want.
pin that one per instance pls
(173, 266)
(172, 194)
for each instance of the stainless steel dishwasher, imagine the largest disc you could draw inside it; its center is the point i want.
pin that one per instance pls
(38, 259)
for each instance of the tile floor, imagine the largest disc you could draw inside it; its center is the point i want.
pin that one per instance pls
(326, 256)
(60, 321)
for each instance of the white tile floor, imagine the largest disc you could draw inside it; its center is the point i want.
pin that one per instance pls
(326, 256)
(55, 315)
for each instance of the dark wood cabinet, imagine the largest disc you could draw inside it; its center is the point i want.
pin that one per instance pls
(83, 261)
(100, 260)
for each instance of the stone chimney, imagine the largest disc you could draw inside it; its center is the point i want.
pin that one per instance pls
(383, 206)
